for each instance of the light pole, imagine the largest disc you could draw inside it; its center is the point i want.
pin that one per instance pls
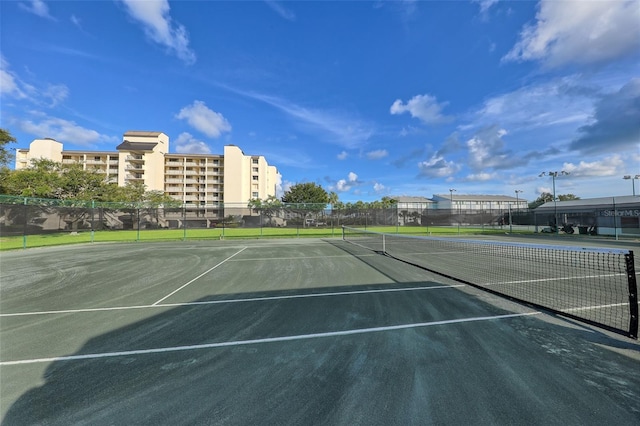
(633, 184)
(554, 175)
(518, 191)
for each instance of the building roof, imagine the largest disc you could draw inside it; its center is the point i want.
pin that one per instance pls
(407, 199)
(602, 202)
(142, 133)
(136, 146)
(475, 197)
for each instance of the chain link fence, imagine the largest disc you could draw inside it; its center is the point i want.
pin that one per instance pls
(31, 216)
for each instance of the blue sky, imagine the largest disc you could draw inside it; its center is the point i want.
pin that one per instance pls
(367, 99)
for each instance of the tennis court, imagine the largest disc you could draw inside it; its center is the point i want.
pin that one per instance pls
(292, 331)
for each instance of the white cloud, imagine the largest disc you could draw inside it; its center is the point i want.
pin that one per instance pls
(486, 150)
(437, 167)
(63, 131)
(201, 118)
(608, 166)
(342, 156)
(379, 188)
(187, 144)
(424, 107)
(342, 186)
(37, 7)
(485, 5)
(160, 28)
(377, 154)
(581, 32)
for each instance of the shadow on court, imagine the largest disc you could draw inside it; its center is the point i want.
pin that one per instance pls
(229, 363)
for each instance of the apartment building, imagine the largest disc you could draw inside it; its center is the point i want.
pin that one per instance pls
(198, 180)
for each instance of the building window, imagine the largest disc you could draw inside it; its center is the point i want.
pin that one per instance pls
(255, 161)
(255, 195)
(255, 170)
(255, 177)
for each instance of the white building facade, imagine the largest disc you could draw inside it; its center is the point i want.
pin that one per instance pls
(194, 179)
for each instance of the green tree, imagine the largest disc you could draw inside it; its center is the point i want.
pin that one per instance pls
(6, 156)
(547, 197)
(41, 180)
(269, 207)
(306, 199)
(567, 197)
(307, 193)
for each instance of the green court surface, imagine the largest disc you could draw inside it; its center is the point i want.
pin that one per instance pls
(288, 331)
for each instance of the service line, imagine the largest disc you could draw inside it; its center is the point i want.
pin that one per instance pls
(201, 275)
(260, 341)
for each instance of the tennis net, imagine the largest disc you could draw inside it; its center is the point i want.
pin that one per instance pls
(594, 285)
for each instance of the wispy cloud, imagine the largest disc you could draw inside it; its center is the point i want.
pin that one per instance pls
(37, 7)
(585, 32)
(277, 7)
(207, 121)
(423, 107)
(377, 154)
(38, 93)
(160, 28)
(344, 131)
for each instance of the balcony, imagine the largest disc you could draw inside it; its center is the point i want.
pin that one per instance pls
(134, 177)
(96, 162)
(136, 158)
(132, 168)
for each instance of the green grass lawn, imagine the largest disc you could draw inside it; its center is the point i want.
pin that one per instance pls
(18, 242)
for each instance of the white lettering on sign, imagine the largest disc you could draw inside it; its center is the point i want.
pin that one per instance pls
(622, 213)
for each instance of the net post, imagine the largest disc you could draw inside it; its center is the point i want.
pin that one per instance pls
(384, 245)
(343, 238)
(633, 295)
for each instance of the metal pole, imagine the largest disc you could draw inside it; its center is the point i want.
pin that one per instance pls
(26, 220)
(555, 203)
(93, 205)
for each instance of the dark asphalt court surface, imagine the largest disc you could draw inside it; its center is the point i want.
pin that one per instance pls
(288, 332)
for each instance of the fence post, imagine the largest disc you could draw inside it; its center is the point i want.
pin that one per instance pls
(184, 223)
(93, 205)
(26, 220)
(138, 233)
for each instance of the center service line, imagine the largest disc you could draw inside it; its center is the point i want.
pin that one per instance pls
(201, 275)
(257, 341)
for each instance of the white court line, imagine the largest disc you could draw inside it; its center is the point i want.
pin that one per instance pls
(258, 341)
(201, 275)
(552, 279)
(217, 302)
(586, 308)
